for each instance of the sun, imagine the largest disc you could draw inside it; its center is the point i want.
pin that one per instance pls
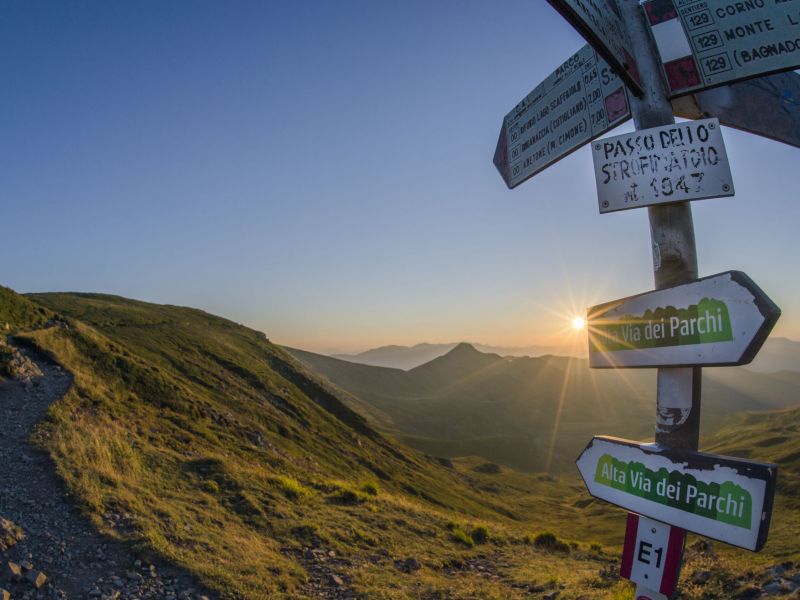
(578, 323)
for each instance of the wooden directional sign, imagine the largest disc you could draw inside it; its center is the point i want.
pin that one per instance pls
(673, 163)
(720, 320)
(652, 554)
(580, 101)
(726, 499)
(600, 23)
(705, 43)
(768, 106)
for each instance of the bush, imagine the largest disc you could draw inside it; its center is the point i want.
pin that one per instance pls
(548, 541)
(290, 487)
(349, 497)
(370, 488)
(210, 486)
(480, 535)
(462, 537)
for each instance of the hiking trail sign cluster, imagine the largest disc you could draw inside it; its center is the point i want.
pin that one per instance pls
(721, 62)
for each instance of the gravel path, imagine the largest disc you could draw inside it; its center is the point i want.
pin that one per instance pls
(77, 561)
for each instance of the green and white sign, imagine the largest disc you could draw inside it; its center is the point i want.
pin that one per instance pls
(727, 499)
(719, 320)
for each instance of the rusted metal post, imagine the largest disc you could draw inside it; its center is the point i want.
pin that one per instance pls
(673, 246)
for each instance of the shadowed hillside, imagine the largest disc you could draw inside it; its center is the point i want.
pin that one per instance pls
(530, 413)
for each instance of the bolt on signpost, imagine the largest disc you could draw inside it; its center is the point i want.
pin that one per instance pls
(660, 51)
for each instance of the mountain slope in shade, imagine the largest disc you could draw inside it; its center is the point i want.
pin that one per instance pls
(777, 354)
(408, 357)
(529, 413)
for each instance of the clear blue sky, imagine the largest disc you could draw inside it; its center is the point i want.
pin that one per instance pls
(322, 171)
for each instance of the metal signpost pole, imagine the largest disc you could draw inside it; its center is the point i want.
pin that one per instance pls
(674, 253)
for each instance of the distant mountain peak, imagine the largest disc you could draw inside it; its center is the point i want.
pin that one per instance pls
(463, 348)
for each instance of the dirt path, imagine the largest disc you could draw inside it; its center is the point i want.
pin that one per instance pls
(78, 561)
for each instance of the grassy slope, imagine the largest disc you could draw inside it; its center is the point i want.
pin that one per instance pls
(771, 437)
(17, 312)
(196, 438)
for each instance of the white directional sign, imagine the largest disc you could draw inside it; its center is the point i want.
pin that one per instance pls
(768, 106)
(652, 554)
(580, 101)
(673, 163)
(720, 320)
(705, 43)
(727, 499)
(643, 593)
(600, 23)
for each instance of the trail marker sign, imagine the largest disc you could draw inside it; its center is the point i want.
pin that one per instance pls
(600, 23)
(579, 101)
(643, 593)
(673, 163)
(721, 320)
(726, 499)
(768, 106)
(705, 43)
(652, 553)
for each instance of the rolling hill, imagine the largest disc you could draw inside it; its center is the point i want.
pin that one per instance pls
(530, 413)
(197, 441)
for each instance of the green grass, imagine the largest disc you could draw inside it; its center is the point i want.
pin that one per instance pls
(226, 455)
(19, 313)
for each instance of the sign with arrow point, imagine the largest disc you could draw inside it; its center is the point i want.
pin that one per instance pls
(720, 320)
(600, 24)
(579, 101)
(723, 498)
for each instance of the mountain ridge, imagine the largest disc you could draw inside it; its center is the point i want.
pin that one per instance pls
(530, 413)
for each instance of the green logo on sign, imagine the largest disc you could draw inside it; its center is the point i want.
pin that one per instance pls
(706, 322)
(725, 502)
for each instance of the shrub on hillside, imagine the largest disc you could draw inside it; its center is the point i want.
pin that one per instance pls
(349, 497)
(290, 487)
(480, 535)
(370, 488)
(548, 540)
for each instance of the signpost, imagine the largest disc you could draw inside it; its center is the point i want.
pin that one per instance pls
(673, 163)
(720, 320)
(652, 554)
(686, 323)
(712, 42)
(580, 101)
(600, 23)
(768, 106)
(727, 499)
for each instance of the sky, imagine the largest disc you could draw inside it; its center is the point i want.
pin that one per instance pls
(322, 171)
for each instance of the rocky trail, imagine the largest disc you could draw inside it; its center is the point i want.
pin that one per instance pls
(48, 549)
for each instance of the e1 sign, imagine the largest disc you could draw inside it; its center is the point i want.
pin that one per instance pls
(673, 163)
(652, 554)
